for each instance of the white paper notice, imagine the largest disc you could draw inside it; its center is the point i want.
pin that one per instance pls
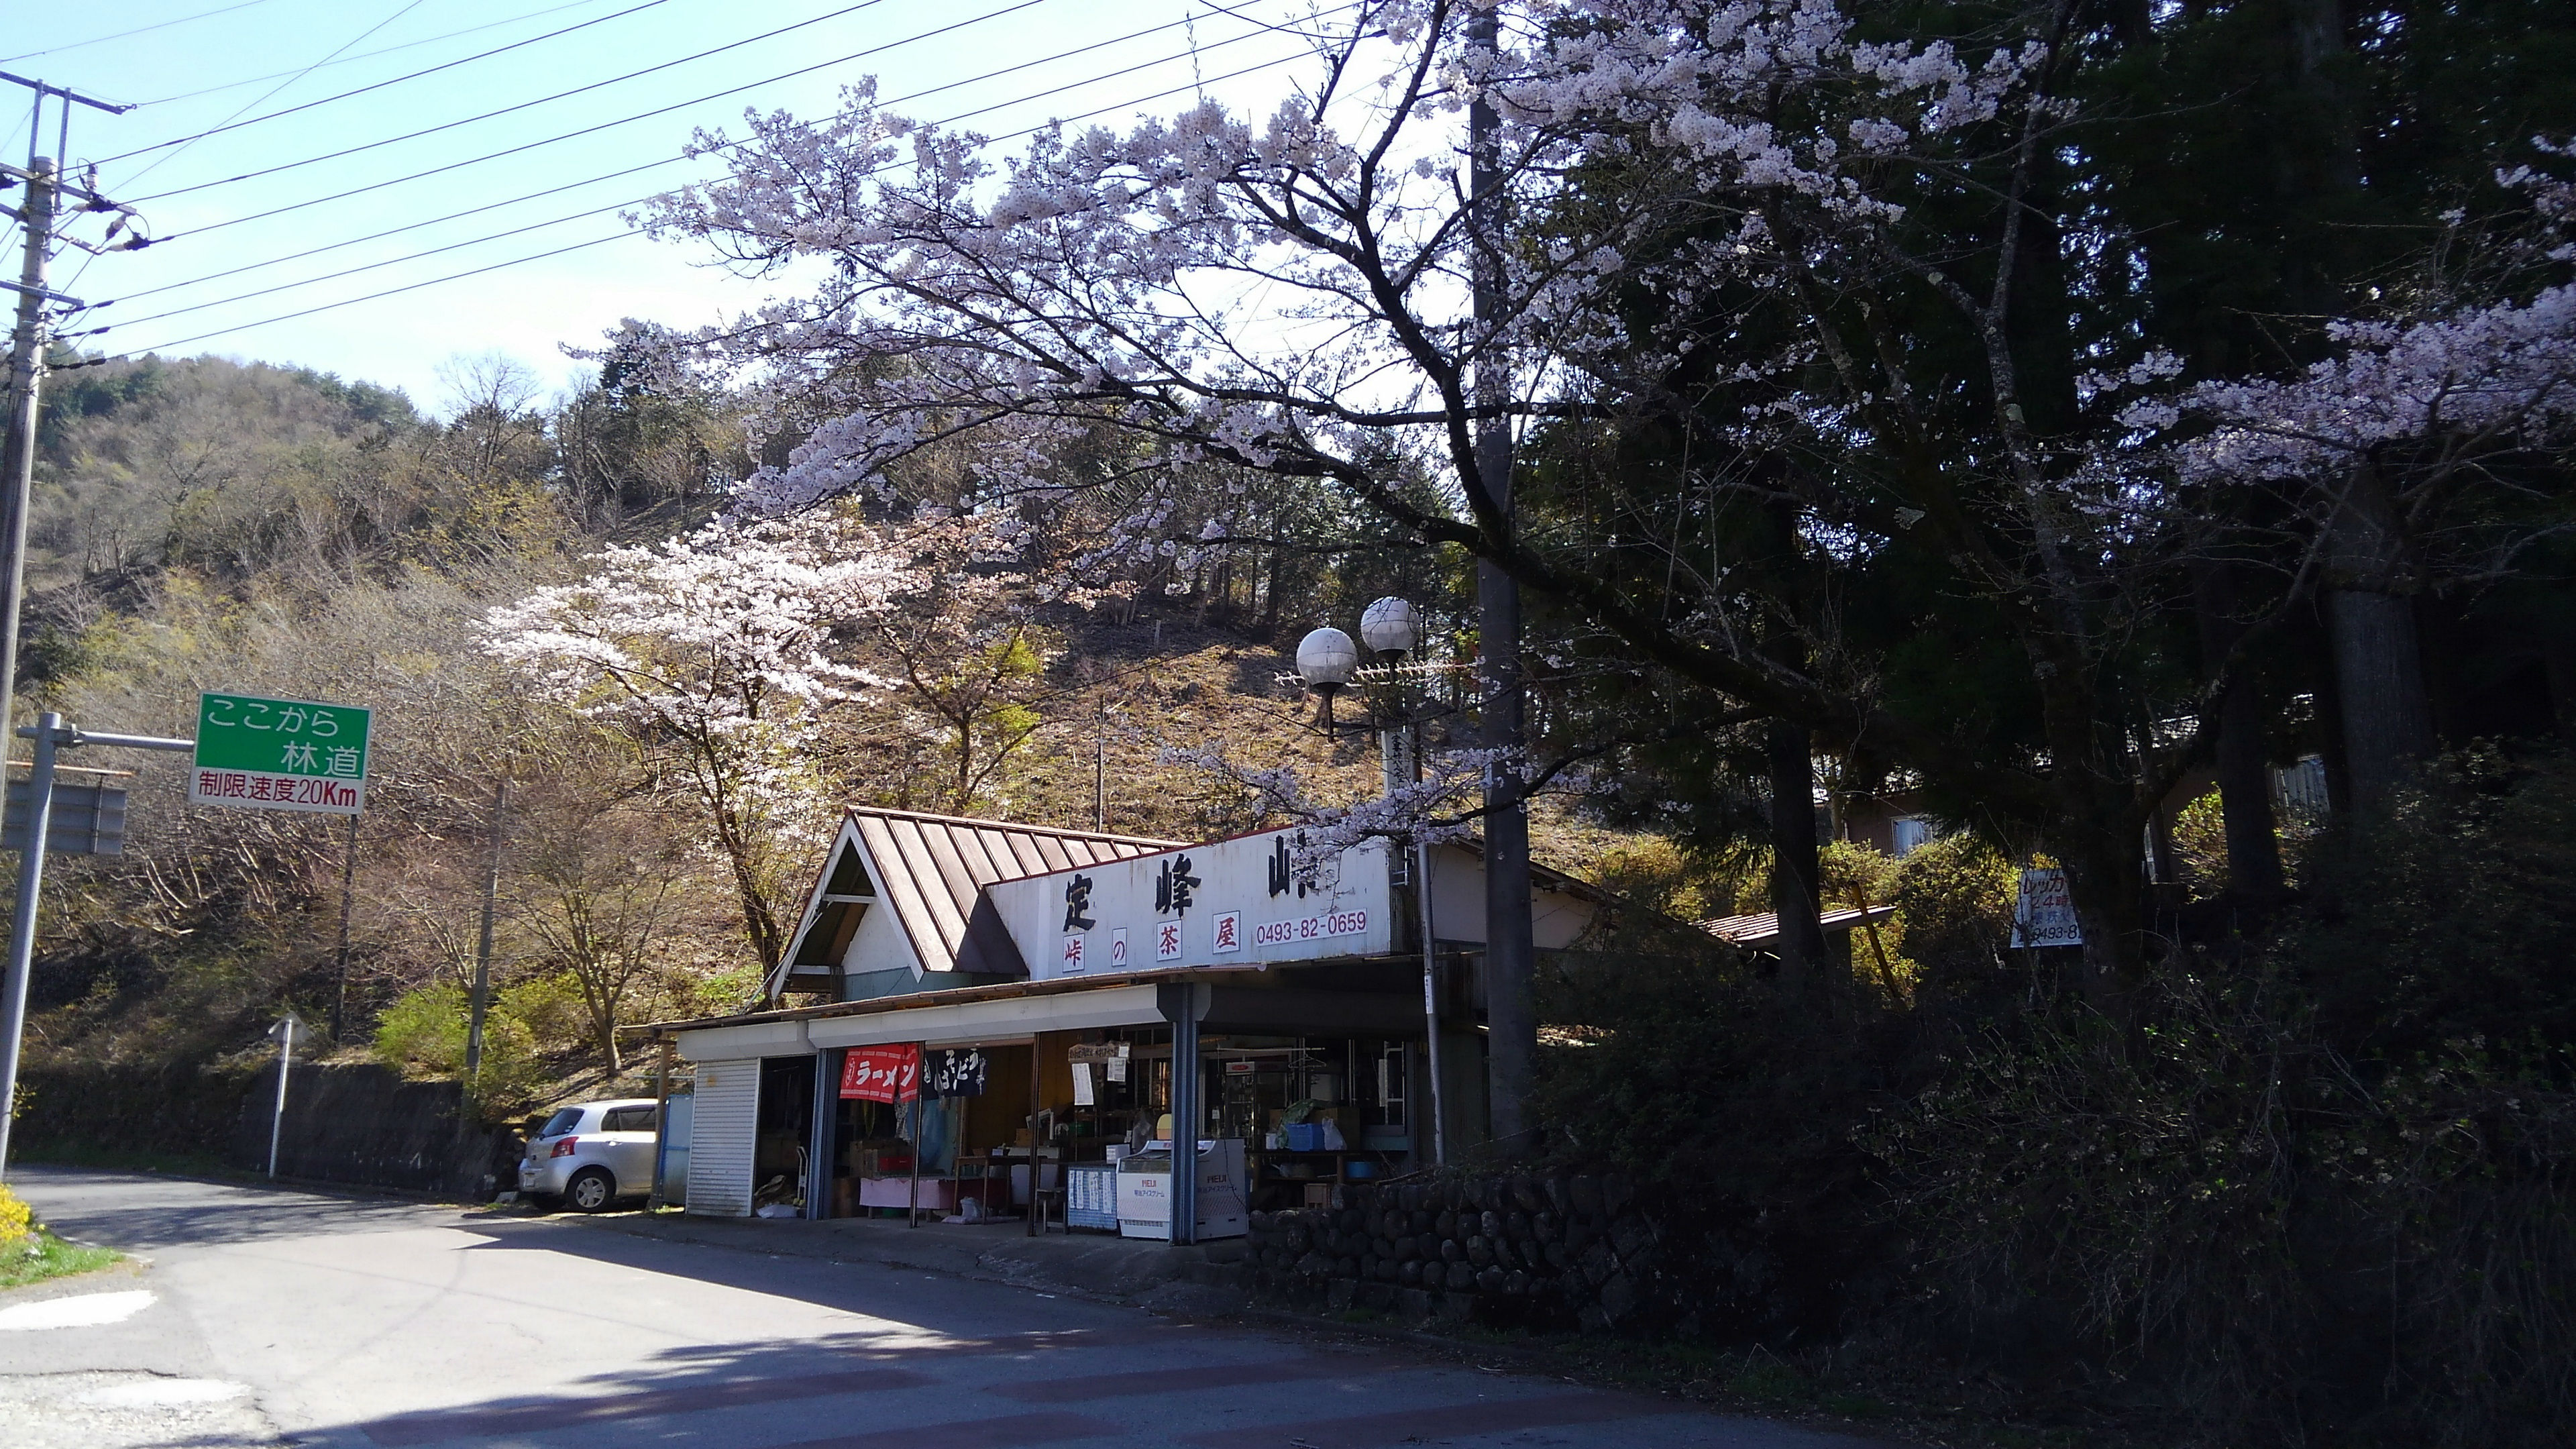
(1117, 1069)
(1082, 1084)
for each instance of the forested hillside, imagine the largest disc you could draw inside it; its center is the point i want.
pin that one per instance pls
(209, 524)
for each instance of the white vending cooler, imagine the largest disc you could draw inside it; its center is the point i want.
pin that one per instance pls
(1145, 1191)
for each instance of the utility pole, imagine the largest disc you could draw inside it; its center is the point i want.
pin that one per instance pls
(1510, 951)
(26, 376)
(348, 892)
(27, 354)
(1100, 772)
(483, 947)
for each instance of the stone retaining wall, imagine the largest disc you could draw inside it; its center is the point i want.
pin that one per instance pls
(1563, 1249)
(364, 1124)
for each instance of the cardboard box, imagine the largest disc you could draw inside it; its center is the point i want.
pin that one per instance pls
(938, 1194)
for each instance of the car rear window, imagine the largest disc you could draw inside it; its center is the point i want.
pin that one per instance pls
(561, 1122)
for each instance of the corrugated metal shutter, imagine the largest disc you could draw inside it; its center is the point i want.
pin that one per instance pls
(721, 1134)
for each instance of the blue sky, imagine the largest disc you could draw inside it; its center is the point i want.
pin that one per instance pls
(193, 70)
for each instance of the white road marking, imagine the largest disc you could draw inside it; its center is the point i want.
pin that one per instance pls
(88, 1310)
(162, 1394)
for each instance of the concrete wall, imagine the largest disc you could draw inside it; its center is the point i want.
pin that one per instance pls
(170, 1107)
(365, 1125)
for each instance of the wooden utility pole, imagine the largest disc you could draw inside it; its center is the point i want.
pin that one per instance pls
(483, 946)
(348, 891)
(1100, 772)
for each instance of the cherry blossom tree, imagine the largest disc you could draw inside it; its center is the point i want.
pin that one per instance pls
(717, 653)
(2429, 450)
(1329, 293)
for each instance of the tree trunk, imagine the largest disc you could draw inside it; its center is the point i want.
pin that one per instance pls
(1511, 1022)
(2104, 876)
(2244, 774)
(2370, 621)
(1796, 869)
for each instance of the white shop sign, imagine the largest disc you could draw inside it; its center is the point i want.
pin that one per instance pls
(2044, 915)
(1236, 902)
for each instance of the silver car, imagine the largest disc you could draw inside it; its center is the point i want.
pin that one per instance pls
(592, 1154)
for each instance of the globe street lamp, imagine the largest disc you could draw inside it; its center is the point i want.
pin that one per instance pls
(1326, 660)
(1391, 626)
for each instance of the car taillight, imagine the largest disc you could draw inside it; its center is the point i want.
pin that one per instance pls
(564, 1148)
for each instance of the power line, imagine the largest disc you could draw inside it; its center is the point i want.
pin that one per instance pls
(557, 96)
(623, 235)
(138, 30)
(577, 216)
(396, 291)
(673, 160)
(380, 85)
(590, 130)
(235, 85)
(369, 267)
(281, 85)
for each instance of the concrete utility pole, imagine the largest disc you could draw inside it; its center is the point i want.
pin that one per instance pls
(27, 352)
(26, 376)
(1510, 952)
(483, 946)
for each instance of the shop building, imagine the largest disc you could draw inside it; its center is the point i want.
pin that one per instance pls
(1015, 1017)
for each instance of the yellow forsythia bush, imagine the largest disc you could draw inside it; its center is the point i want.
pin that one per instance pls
(14, 1217)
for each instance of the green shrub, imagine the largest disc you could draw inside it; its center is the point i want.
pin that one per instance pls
(2321, 1192)
(1732, 1106)
(552, 1010)
(2200, 846)
(423, 1033)
(424, 1030)
(1954, 897)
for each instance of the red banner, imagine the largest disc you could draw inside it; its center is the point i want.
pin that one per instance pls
(881, 1073)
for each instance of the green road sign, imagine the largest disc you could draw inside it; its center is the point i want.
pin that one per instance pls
(280, 754)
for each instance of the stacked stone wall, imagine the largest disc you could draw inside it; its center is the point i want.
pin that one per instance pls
(1544, 1249)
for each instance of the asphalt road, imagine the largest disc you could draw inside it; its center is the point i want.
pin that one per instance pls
(262, 1317)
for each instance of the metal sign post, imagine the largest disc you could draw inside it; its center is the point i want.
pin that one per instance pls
(284, 1035)
(50, 735)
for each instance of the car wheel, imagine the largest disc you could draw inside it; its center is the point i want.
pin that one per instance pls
(590, 1190)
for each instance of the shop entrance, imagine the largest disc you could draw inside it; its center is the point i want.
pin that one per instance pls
(782, 1140)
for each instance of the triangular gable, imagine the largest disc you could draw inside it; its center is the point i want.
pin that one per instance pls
(929, 871)
(844, 889)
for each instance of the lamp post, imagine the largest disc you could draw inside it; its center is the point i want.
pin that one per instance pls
(1328, 662)
(1392, 629)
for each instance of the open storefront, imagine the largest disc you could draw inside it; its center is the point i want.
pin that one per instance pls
(1036, 1017)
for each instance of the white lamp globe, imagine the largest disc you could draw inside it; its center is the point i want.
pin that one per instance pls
(1391, 626)
(1326, 658)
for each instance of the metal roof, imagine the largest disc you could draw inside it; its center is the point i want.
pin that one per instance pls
(1761, 931)
(932, 870)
